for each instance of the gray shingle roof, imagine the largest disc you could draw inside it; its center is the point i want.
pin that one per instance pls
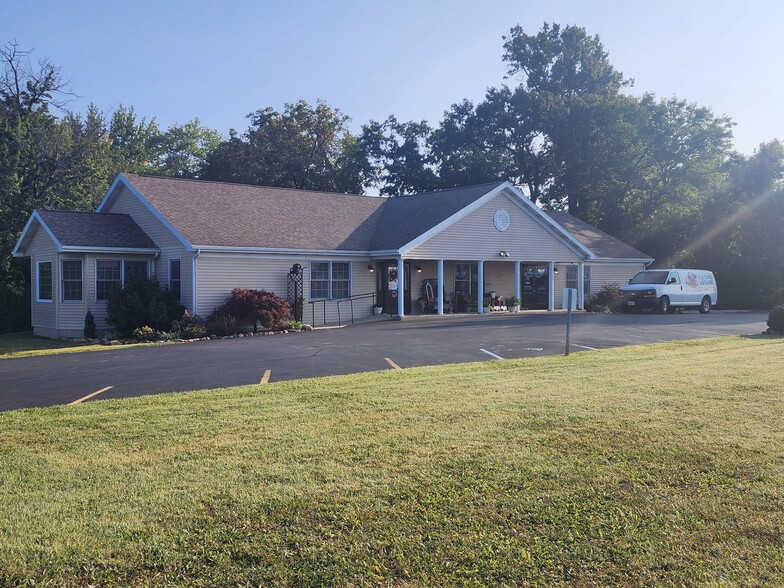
(238, 215)
(602, 244)
(92, 229)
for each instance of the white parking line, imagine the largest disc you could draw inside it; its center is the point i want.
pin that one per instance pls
(393, 364)
(583, 346)
(648, 338)
(265, 378)
(490, 353)
(83, 398)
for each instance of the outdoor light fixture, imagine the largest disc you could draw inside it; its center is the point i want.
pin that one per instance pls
(371, 269)
(504, 254)
(555, 270)
(418, 269)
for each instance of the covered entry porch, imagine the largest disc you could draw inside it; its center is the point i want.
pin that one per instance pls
(439, 286)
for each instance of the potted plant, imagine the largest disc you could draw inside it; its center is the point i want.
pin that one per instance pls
(514, 304)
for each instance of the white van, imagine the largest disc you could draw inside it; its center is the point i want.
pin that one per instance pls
(668, 289)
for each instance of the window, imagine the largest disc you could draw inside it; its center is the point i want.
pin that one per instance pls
(571, 279)
(44, 282)
(108, 275)
(134, 268)
(71, 280)
(466, 278)
(175, 284)
(330, 280)
(113, 273)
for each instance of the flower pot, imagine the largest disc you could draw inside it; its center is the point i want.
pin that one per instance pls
(516, 308)
(377, 310)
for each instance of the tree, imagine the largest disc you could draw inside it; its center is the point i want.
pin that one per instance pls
(185, 148)
(303, 147)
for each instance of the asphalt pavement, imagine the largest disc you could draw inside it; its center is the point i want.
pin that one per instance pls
(417, 341)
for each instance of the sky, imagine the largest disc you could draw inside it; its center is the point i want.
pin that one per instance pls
(175, 60)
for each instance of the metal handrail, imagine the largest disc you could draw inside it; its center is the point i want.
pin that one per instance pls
(351, 300)
(337, 302)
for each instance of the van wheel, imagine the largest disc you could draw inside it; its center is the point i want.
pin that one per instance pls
(664, 305)
(705, 305)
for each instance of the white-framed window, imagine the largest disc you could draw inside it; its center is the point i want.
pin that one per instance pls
(71, 280)
(466, 278)
(43, 281)
(111, 273)
(330, 280)
(175, 278)
(571, 279)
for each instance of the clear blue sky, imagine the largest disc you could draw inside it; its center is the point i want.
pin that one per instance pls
(175, 60)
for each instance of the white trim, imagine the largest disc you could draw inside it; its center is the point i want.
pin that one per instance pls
(194, 281)
(38, 280)
(62, 289)
(34, 216)
(126, 182)
(622, 260)
(282, 251)
(119, 250)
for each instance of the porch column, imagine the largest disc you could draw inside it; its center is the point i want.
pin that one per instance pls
(551, 287)
(401, 287)
(517, 265)
(440, 296)
(581, 286)
(480, 285)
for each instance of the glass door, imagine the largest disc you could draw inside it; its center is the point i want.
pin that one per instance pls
(535, 286)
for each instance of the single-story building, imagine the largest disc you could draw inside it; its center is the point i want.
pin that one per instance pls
(453, 248)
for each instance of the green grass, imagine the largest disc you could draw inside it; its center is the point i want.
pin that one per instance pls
(25, 344)
(650, 465)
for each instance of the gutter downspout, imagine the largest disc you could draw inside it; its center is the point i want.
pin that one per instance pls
(193, 279)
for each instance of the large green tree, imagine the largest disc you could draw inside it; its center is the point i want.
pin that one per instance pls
(303, 147)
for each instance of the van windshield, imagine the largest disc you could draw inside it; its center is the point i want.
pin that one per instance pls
(652, 277)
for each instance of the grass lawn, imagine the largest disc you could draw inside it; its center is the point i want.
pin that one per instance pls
(650, 465)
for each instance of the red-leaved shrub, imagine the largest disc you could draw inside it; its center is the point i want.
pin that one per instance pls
(254, 306)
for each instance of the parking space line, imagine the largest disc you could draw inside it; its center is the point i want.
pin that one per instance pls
(83, 398)
(648, 338)
(490, 353)
(583, 346)
(393, 364)
(265, 377)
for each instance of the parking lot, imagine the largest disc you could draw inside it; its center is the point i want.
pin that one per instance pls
(118, 373)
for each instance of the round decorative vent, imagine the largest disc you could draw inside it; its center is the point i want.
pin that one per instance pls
(501, 220)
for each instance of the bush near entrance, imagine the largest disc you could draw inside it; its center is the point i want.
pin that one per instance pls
(142, 302)
(254, 306)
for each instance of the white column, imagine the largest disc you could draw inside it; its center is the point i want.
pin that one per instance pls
(401, 287)
(551, 287)
(480, 285)
(440, 296)
(580, 286)
(517, 265)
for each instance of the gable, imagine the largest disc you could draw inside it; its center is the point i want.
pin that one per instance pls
(475, 236)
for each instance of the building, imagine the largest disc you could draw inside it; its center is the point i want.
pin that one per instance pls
(202, 239)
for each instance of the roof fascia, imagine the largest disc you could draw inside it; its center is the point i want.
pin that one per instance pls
(87, 249)
(278, 251)
(624, 259)
(121, 179)
(34, 217)
(448, 222)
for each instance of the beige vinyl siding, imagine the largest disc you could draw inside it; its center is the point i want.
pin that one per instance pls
(218, 273)
(43, 314)
(475, 237)
(612, 273)
(70, 318)
(125, 202)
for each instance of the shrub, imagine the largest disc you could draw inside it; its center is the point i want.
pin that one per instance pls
(254, 306)
(142, 302)
(293, 325)
(190, 326)
(145, 333)
(223, 326)
(776, 319)
(89, 325)
(608, 299)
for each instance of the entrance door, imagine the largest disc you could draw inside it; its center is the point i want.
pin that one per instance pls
(535, 286)
(389, 286)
